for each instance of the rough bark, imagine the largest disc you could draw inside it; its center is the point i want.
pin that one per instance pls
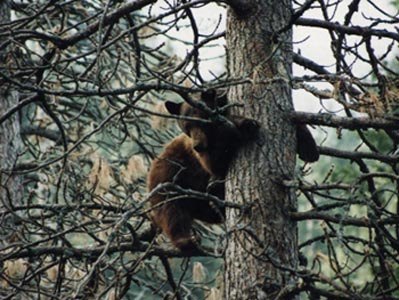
(10, 143)
(262, 241)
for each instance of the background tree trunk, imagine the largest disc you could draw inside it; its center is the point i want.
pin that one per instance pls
(262, 241)
(10, 141)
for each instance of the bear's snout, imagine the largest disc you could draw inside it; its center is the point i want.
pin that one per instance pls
(199, 140)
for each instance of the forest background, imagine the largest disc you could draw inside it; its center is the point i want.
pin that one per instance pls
(82, 85)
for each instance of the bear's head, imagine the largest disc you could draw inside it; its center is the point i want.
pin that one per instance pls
(216, 140)
(202, 134)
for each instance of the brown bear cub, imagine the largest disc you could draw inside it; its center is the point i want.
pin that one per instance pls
(198, 160)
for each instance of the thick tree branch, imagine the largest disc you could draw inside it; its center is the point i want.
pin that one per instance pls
(355, 155)
(335, 121)
(309, 64)
(95, 252)
(50, 134)
(351, 30)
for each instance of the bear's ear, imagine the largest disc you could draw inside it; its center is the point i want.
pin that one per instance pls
(208, 96)
(213, 100)
(173, 108)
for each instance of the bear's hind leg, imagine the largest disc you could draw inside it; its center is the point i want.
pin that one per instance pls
(176, 223)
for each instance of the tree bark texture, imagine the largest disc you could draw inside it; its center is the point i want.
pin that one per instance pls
(11, 189)
(262, 240)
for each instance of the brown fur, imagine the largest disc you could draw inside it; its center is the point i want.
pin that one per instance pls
(179, 164)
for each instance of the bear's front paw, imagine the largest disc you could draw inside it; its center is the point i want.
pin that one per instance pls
(188, 244)
(249, 129)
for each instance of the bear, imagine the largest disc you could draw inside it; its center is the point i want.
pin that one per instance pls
(198, 159)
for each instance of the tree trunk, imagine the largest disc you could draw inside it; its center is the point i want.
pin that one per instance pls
(11, 189)
(262, 240)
